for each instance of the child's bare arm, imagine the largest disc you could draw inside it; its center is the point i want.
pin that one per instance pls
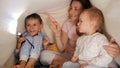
(30, 63)
(60, 36)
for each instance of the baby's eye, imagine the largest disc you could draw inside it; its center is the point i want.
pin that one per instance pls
(80, 21)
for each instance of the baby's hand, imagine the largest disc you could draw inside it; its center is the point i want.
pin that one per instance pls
(74, 59)
(45, 42)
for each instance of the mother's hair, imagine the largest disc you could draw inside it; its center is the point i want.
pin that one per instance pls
(85, 3)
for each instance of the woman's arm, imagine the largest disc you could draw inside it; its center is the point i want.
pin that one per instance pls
(113, 49)
(61, 37)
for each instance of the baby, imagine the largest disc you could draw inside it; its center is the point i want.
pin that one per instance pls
(89, 52)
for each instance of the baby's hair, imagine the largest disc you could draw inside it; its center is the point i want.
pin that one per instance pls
(33, 16)
(97, 15)
(85, 3)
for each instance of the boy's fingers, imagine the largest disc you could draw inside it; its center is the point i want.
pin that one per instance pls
(18, 36)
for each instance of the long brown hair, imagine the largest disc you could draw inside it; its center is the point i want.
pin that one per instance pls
(85, 3)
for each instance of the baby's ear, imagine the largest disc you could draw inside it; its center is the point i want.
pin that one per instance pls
(93, 23)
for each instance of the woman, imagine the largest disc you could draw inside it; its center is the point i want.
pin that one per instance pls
(66, 37)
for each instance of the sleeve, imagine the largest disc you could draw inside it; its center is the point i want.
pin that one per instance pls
(35, 52)
(76, 53)
(24, 51)
(16, 52)
(103, 59)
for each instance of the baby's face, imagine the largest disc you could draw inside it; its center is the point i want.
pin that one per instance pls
(84, 25)
(33, 26)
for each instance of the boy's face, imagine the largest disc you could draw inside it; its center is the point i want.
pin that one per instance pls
(33, 26)
(84, 25)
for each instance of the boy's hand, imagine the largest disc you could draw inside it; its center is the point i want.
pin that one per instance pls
(19, 41)
(45, 42)
(113, 48)
(74, 59)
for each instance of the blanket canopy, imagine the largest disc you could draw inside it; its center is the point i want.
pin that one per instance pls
(13, 12)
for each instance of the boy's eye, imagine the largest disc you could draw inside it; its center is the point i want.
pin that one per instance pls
(70, 7)
(34, 24)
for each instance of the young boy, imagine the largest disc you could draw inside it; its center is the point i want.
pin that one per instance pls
(32, 45)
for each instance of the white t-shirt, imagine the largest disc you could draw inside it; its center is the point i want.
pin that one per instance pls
(90, 49)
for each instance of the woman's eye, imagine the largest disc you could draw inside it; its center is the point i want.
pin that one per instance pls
(27, 25)
(76, 8)
(70, 8)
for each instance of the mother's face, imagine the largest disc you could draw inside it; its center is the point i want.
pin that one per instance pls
(75, 9)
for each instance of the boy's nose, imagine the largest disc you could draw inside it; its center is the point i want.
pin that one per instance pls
(31, 27)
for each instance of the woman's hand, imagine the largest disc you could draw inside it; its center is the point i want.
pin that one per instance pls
(55, 27)
(113, 48)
